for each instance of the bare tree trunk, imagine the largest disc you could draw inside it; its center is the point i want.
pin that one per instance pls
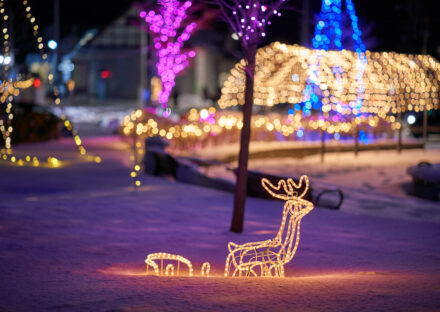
(241, 184)
(356, 141)
(425, 127)
(399, 133)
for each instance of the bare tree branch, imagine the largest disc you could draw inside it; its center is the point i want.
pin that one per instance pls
(248, 19)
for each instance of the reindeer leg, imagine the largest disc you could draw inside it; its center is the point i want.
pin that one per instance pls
(227, 265)
(280, 270)
(251, 270)
(235, 272)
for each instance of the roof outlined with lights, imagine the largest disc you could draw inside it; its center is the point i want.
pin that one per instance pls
(393, 82)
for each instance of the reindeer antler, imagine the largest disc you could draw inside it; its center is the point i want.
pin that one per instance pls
(271, 189)
(290, 188)
(304, 180)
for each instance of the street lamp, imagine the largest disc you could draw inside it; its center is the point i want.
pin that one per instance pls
(6, 60)
(52, 44)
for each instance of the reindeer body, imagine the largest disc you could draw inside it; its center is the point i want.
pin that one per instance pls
(269, 256)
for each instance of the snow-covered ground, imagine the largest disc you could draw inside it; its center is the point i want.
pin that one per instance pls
(75, 238)
(96, 118)
(374, 182)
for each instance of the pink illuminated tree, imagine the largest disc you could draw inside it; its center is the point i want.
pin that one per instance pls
(166, 25)
(248, 20)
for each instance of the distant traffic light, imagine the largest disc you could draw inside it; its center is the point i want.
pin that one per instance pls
(106, 74)
(37, 83)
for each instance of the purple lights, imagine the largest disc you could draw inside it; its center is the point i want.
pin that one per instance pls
(168, 44)
(249, 20)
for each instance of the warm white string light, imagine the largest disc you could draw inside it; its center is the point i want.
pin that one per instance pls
(206, 268)
(266, 257)
(7, 88)
(10, 89)
(208, 127)
(137, 150)
(56, 93)
(35, 28)
(158, 270)
(393, 82)
(269, 257)
(169, 270)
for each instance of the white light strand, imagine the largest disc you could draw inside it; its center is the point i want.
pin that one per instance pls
(10, 89)
(267, 258)
(158, 270)
(206, 268)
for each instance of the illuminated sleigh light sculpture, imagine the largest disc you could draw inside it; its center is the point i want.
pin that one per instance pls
(269, 257)
(169, 269)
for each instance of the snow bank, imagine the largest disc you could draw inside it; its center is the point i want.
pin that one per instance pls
(75, 239)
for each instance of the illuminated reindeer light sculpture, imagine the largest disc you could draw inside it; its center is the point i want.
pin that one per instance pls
(270, 256)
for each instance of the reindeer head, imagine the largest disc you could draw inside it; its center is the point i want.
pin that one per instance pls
(287, 190)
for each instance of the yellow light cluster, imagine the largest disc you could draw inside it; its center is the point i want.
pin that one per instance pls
(138, 151)
(135, 175)
(168, 257)
(196, 129)
(9, 89)
(34, 161)
(6, 154)
(393, 82)
(156, 88)
(24, 84)
(54, 161)
(78, 142)
(269, 257)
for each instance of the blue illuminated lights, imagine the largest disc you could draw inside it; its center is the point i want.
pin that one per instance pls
(328, 33)
(363, 138)
(328, 36)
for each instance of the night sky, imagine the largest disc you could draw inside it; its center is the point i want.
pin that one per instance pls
(388, 25)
